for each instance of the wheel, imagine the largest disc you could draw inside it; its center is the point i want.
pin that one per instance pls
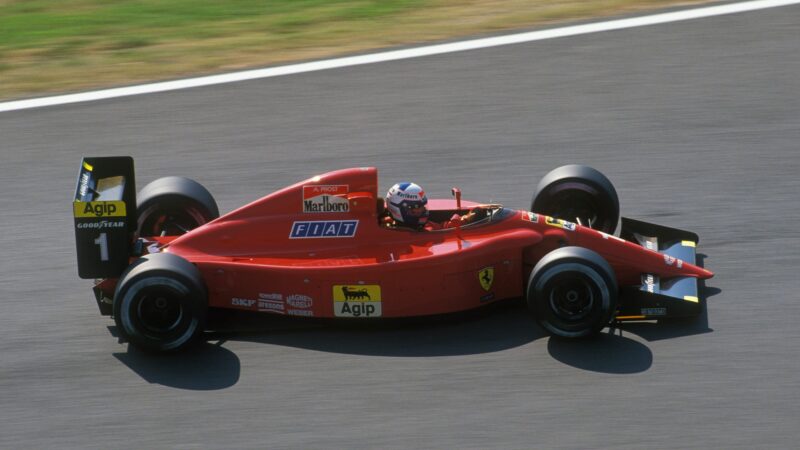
(172, 206)
(160, 303)
(572, 292)
(580, 194)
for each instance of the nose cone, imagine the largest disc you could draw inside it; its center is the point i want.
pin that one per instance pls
(705, 274)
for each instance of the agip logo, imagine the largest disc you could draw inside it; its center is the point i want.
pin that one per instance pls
(357, 300)
(99, 209)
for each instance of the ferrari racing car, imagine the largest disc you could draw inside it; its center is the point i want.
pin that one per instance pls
(163, 258)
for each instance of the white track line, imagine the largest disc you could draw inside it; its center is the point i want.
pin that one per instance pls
(417, 52)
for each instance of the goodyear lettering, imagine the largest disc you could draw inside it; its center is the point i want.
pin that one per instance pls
(308, 229)
(103, 224)
(99, 209)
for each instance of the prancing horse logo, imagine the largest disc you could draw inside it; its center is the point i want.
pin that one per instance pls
(486, 277)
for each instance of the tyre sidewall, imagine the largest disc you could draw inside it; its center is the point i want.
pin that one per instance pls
(148, 277)
(580, 178)
(581, 264)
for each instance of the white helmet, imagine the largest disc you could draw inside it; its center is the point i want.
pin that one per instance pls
(406, 203)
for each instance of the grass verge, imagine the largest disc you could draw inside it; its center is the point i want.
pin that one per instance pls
(49, 46)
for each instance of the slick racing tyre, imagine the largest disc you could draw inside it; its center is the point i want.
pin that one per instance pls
(173, 206)
(579, 194)
(572, 292)
(160, 303)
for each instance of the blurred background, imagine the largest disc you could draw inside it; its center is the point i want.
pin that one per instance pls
(55, 46)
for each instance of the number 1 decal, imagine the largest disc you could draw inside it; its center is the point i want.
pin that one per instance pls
(102, 241)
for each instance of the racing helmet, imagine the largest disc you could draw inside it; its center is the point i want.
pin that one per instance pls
(406, 203)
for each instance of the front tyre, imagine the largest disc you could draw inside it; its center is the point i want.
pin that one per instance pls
(579, 194)
(160, 303)
(572, 292)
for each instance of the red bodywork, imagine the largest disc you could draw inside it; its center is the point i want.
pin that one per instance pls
(250, 261)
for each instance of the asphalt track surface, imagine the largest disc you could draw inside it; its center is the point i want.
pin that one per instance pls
(697, 123)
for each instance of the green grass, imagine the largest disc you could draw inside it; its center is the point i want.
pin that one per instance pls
(60, 45)
(29, 24)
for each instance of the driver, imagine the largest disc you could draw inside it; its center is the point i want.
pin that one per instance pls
(407, 202)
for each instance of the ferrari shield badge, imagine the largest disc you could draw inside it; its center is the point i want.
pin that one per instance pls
(486, 277)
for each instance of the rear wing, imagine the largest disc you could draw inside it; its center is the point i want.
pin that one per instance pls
(104, 209)
(659, 298)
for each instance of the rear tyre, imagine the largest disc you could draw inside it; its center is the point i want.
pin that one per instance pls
(173, 206)
(579, 194)
(160, 303)
(572, 292)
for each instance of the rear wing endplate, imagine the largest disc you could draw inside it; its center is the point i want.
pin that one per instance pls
(104, 209)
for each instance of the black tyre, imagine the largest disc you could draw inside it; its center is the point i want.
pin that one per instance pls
(579, 194)
(160, 303)
(572, 292)
(173, 206)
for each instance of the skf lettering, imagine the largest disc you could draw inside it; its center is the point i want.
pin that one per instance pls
(242, 302)
(309, 229)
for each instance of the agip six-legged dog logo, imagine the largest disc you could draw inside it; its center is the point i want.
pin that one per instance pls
(355, 294)
(357, 300)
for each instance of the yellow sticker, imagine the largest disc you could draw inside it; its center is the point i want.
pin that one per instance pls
(559, 223)
(691, 298)
(356, 293)
(486, 277)
(88, 166)
(359, 300)
(114, 208)
(688, 243)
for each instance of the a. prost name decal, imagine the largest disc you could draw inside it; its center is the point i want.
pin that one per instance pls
(357, 300)
(309, 229)
(325, 199)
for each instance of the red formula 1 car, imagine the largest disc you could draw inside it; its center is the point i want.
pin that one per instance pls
(320, 249)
